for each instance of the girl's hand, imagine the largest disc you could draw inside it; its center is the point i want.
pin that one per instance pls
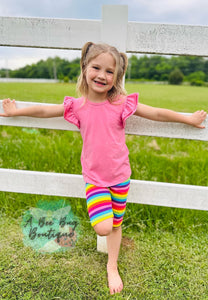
(166, 115)
(36, 111)
(197, 118)
(9, 108)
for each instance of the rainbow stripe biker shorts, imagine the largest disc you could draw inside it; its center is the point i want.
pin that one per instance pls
(107, 202)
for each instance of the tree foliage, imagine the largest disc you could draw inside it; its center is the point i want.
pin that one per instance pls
(176, 77)
(157, 67)
(154, 67)
(52, 68)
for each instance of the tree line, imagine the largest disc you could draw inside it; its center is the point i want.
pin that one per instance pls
(149, 68)
(174, 69)
(52, 68)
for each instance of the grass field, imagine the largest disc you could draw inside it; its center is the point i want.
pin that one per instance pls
(164, 251)
(180, 98)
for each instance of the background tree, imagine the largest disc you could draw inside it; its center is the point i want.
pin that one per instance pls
(146, 67)
(176, 77)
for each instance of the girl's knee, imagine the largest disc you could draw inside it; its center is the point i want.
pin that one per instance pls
(104, 228)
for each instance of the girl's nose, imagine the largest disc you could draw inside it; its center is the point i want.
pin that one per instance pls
(101, 74)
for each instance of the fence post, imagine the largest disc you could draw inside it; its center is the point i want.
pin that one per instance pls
(113, 32)
(114, 25)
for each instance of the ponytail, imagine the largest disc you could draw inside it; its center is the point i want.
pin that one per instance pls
(85, 50)
(124, 62)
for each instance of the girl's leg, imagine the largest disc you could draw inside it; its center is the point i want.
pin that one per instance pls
(99, 206)
(113, 244)
(119, 196)
(106, 208)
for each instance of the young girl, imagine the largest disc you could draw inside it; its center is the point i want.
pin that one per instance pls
(100, 114)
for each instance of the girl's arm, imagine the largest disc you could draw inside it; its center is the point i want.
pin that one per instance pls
(166, 115)
(37, 111)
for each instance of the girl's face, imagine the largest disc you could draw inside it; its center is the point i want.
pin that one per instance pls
(100, 76)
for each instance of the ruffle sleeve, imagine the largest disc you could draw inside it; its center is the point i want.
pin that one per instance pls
(69, 114)
(130, 107)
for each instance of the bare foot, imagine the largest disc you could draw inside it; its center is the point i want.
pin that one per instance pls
(114, 280)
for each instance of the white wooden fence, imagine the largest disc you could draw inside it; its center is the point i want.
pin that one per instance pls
(134, 37)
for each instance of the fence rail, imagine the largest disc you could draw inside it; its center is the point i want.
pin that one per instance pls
(72, 34)
(115, 29)
(134, 125)
(141, 192)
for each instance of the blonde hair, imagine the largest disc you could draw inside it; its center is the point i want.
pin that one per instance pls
(91, 51)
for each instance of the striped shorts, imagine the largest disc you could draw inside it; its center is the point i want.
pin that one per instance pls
(107, 202)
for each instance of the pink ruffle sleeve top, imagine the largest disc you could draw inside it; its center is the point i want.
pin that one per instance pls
(105, 156)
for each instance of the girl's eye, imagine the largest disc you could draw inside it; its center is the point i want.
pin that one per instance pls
(110, 72)
(96, 68)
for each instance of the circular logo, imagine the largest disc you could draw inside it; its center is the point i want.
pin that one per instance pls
(50, 227)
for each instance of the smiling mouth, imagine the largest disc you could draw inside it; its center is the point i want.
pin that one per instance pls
(100, 83)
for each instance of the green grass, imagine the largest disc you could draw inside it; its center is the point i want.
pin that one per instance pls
(37, 92)
(180, 98)
(165, 250)
(154, 265)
